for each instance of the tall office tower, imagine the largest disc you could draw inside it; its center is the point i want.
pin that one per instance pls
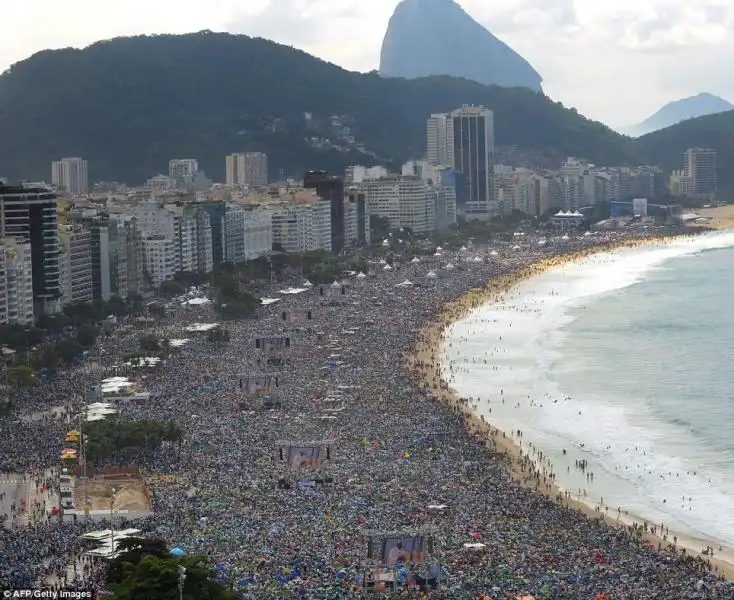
(181, 171)
(330, 189)
(438, 147)
(70, 175)
(247, 168)
(31, 214)
(470, 133)
(700, 165)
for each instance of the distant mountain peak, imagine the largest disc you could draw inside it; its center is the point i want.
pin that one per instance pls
(700, 105)
(466, 49)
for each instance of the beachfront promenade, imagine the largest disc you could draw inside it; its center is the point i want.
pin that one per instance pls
(396, 450)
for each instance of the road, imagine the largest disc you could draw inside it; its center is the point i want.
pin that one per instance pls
(13, 490)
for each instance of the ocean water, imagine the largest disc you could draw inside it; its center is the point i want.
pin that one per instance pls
(622, 360)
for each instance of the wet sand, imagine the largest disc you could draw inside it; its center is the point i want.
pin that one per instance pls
(426, 363)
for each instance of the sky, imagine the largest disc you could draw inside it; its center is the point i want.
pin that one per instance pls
(616, 61)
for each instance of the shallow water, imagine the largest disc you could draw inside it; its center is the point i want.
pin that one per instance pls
(621, 360)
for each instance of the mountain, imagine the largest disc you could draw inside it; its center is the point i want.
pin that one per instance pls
(674, 112)
(437, 37)
(128, 105)
(666, 146)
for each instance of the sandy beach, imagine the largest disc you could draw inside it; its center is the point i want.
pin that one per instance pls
(722, 217)
(521, 461)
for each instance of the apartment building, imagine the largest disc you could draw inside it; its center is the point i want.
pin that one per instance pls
(30, 213)
(247, 168)
(700, 165)
(403, 201)
(16, 282)
(356, 220)
(75, 264)
(159, 258)
(70, 175)
(182, 171)
(247, 233)
(301, 221)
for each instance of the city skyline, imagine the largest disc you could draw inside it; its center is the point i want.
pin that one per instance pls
(668, 49)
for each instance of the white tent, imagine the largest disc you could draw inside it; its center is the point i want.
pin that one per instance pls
(516, 247)
(438, 253)
(494, 253)
(267, 301)
(405, 283)
(462, 249)
(449, 266)
(382, 261)
(431, 275)
(336, 284)
(307, 284)
(478, 259)
(438, 248)
(361, 275)
(387, 268)
(415, 260)
(385, 242)
(565, 237)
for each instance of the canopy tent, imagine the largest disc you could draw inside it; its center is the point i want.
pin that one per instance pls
(361, 275)
(449, 267)
(269, 301)
(387, 268)
(196, 302)
(307, 284)
(431, 275)
(415, 260)
(405, 283)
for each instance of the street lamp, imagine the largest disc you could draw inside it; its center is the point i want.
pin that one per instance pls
(112, 523)
(181, 580)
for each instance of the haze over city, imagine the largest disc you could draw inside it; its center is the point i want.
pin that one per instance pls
(615, 62)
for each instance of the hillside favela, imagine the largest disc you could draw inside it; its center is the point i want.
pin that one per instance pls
(409, 327)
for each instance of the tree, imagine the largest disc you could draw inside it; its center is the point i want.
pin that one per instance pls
(157, 578)
(131, 551)
(68, 351)
(171, 288)
(150, 343)
(106, 440)
(21, 376)
(116, 306)
(86, 335)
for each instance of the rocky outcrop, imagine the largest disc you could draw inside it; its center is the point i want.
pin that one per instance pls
(437, 37)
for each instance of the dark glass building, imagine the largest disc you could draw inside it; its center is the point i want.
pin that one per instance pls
(330, 188)
(31, 213)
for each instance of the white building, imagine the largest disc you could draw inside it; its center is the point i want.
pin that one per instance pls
(75, 264)
(16, 282)
(700, 165)
(247, 233)
(247, 168)
(159, 258)
(182, 171)
(359, 173)
(302, 223)
(356, 220)
(438, 149)
(70, 175)
(403, 201)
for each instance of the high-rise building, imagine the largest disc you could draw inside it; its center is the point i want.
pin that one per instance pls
(356, 219)
(31, 214)
(247, 233)
(700, 165)
(16, 282)
(438, 149)
(247, 168)
(70, 175)
(302, 223)
(403, 201)
(182, 171)
(470, 138)
(75, 264)
(331, 190)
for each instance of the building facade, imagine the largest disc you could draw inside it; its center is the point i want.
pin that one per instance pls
(31, 214)
(247, 233)
(247, 168)
(700, 165)
(16, 282)
(331, 190)
(75, 262)
(70, 175)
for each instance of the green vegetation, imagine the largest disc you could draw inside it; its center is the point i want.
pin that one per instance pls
(123, 116)
(145, 570)
(666, 147)
(106, 439)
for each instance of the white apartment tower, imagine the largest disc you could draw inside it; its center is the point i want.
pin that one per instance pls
(70, 175)
(75, 264)
(181, 171)
(16, 282)
(247, 234)
(438, 148)
(247, 168)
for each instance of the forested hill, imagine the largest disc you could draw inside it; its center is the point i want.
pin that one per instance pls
(128, 105)
(666, 146)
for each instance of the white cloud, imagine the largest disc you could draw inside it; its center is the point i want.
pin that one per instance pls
(615, 61)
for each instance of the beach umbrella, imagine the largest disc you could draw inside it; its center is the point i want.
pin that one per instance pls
(177, 552)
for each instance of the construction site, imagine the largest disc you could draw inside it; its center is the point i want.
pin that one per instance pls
(131, 497)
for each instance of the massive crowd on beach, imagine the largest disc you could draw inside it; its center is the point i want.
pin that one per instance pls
(396, 450)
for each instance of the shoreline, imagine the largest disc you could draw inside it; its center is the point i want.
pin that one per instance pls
(522, 464)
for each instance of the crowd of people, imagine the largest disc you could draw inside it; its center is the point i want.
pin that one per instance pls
(399, 461)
